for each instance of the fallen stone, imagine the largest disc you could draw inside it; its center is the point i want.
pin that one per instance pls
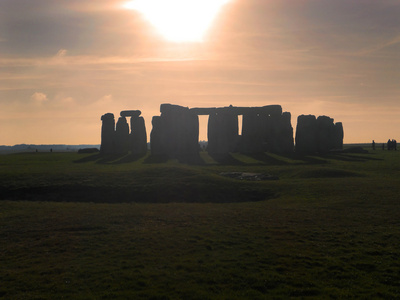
(249, 176)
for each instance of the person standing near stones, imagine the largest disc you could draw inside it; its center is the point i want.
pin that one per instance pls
(373, 145)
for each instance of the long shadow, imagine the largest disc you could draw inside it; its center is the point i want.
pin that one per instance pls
(228, 159)
(352, 158)
(110, 158)
(85, 159)
(129, 158)
(184, 159)
(192, 159)
(314, 160)
(309, 159)
(225, 159)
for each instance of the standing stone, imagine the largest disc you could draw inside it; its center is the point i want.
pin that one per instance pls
(338, 136)
(107, 134)
(223, 131)
(325, 134)
(122, 136)
(158, 137)
(284, 134)
(181, 128)
(253, 132)
(306, 134)
(138, 136)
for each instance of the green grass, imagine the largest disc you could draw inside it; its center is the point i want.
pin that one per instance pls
(85, 227)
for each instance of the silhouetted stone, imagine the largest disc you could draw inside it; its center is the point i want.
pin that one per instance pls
(325, 134)
(338, 136)
(306, 134)
(122, 136)
(249, 176)
(158, 137)
(318, 135)
(107, 134)
(254, 133)
(130, 113)
(202, 111)
(138, 136)
(223, 131)
(283, 134)
(181, 129)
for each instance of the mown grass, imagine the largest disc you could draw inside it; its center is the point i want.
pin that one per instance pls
(328, 228)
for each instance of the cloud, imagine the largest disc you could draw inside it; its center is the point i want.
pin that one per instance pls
(61, 53)
(104, 101)
(39, 98)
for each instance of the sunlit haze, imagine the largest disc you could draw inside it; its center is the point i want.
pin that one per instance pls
(65, 63)
(179, 20)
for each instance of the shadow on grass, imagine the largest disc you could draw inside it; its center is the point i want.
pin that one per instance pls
(263, 158)
(156, 159)
(352, 158)
(226, 159)
(110, 158)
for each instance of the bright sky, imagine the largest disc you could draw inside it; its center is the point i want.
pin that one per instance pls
(65, 63)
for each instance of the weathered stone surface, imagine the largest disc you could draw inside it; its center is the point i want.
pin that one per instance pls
(122, 136)
(107, 134)
(138, 136)
(130, 113)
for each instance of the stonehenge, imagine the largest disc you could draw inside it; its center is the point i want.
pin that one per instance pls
(116, 139)
(175, 132)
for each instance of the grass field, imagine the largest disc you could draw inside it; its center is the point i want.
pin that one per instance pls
(90, 227)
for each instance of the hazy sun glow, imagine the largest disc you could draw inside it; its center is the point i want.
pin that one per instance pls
(179, 20)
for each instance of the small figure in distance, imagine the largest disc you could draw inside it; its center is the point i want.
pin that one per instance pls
(383, 146)
(373, 145)
(51, 149)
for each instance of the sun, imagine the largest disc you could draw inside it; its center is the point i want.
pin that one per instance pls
(179, 20)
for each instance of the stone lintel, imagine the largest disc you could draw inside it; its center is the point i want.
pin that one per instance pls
(130, 113)
(167, 107)
(264, 110)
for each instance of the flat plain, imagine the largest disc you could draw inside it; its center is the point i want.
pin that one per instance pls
(78, 226)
